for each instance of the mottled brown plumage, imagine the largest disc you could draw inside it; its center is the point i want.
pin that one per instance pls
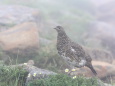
(72, 53)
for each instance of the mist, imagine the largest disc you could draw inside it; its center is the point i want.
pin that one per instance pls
(27, 34)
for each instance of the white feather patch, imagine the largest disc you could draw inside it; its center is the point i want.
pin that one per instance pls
(73, 49)
(82, 63)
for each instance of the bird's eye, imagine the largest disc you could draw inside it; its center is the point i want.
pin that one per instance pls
(59, 27)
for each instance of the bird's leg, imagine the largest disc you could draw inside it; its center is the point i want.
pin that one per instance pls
(69, 73)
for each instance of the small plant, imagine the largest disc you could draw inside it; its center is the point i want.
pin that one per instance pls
(48, 58)
(12, 76)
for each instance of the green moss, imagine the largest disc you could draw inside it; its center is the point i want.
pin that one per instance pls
(64, 80)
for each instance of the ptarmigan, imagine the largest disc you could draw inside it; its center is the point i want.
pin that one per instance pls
(71, 52)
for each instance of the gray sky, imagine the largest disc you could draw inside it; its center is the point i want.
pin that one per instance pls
(100, 2)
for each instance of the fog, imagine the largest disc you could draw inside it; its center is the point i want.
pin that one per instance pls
(26, 32)
(100, 2)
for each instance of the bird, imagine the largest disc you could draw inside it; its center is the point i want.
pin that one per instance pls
(72, 52)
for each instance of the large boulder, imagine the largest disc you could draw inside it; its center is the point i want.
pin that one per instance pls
(101, 35)
(100, 55)
(105, 71)
(19, 27)
(108, 41)
(11, 15)
(21, 39)
(103, 30)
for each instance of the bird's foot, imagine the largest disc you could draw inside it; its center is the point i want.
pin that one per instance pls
(72, 70)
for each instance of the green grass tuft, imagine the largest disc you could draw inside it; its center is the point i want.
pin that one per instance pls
(12, 76)
(64, 80)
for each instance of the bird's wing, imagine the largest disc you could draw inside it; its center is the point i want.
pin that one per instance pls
(80, 52)
(77, 49)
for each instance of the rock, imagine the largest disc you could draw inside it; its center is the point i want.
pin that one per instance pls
(104, 27)
(21, 39)
(30, 62)
(108, 41)
(33, 71)
(38, 73)
(104, 70)
(113, 62)
(102, 34)
(100, 55)
(11, 15)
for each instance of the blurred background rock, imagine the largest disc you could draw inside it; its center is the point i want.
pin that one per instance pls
(26, 32)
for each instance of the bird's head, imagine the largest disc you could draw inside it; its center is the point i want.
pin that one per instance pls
(59, 28)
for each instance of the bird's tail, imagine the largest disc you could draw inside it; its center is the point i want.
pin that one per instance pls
(93, 70)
